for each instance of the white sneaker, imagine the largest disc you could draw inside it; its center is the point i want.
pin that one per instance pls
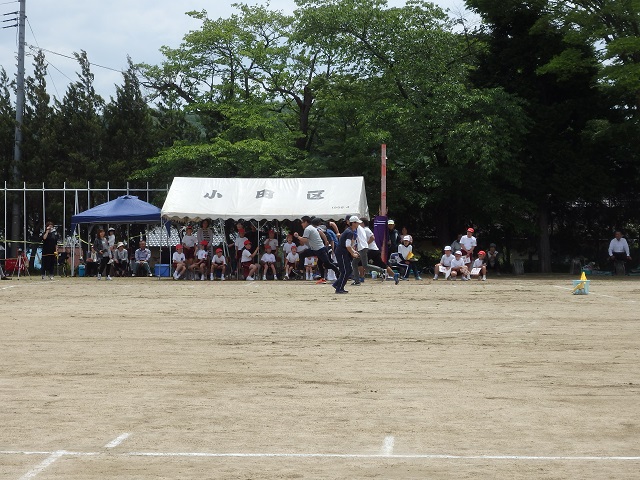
(109, 277)
(484, 278)
(99, 276)
(222, 278)
(264, 277)
(435, 277)
(250, 279)
(211, 276)
(203, 277)
(464, 279)
(286, 277)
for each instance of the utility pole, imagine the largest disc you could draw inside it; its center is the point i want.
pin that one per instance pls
(17, 152)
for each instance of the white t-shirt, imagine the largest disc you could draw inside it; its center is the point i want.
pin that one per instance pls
(457, 263)
(468, 242)
(239, 242)
(404, 251)
(302, 248)
(272, 242)
(292, 257)
(362, 238)
(286, 247)
(112, 240)
(219, 259)
(373, 245)
(202, 254)
(189, 241)
(445, 261)
(310, 261)
(178, 257)
(246, 256)
(477, 263)
(268, 258)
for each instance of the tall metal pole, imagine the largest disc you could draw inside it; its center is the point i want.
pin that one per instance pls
(17, 152)
(383, 180)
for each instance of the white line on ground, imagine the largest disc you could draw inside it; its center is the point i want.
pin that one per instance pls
(47, 462)
(387, 445)
(60, 453)
(117, 441)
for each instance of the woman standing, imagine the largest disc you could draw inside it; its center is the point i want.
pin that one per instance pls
(206, 234)
(101, 246)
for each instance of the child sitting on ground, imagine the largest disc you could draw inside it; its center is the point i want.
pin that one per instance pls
(444, 266)
(458, 267)
(479, 267)
(268, 262)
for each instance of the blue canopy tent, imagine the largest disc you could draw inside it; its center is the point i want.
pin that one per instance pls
(124, 209)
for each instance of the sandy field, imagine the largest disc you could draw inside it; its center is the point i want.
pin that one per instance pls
(142, 378)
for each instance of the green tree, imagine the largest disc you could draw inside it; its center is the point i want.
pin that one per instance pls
(523, 41)
(79, 131)
(129, 138)
(7, 125)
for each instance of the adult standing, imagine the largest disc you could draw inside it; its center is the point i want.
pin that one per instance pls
(312, 238)
(49, 245)
(205, 233)
(375, 255)
(101, 246)
(619, 250)
(345, 253)
(362, 245)
(393, 238)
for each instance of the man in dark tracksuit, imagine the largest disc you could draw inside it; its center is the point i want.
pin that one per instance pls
(345, 253)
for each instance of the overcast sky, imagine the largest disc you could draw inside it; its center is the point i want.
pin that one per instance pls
(109, 30)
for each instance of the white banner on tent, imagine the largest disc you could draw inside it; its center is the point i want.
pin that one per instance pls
(265, 198)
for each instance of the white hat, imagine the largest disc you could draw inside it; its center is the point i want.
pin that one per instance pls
(391, 222)
(447, 248)
(120, 244)
(406, 238)
(458, 252)
(354, 219)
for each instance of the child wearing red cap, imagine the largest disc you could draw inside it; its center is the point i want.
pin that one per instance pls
(179, 261)
(218, 263)
(268, 262)
(292, 261)
(246, 260)
(200, 264)
(479, 266)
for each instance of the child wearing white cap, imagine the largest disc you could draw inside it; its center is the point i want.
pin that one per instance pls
(445, 264)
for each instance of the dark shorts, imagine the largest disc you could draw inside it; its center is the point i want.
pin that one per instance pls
(189, 253)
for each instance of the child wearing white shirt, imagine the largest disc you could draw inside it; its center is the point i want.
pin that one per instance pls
(292, 261)
(200, 264)
(309, 265)
(479, 266)
(268, 261)
(179, 260)
(218, 262)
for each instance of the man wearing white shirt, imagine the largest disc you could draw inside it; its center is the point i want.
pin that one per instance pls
(619, 249)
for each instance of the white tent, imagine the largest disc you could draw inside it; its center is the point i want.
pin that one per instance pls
(265, 198)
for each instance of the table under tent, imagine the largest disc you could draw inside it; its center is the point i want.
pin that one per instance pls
(127, 209)
(263, 200)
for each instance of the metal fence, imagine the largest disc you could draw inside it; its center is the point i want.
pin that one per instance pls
(37, 205)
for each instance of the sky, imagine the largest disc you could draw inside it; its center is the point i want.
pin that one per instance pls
(110, 30)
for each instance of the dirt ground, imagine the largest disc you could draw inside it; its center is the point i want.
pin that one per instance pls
(143, 378)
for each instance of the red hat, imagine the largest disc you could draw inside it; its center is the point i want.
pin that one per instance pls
(267, 246)
(189, 227)
(470, 230)
(218, 250)
(204, 242)
(179, 245)
(247, 242)
(481, 252)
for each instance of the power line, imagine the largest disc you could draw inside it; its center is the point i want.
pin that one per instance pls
(48, 62)
(73, 58)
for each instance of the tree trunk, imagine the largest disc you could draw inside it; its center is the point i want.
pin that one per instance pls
(544, 250)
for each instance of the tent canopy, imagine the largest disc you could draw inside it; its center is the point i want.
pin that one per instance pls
(124, 209)
(265, 198)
